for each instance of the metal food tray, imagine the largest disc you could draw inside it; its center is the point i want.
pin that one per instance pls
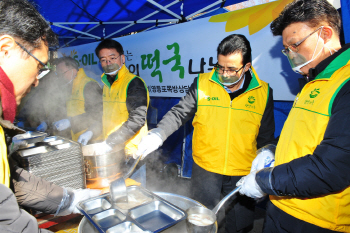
(55, 159)
(154, 215)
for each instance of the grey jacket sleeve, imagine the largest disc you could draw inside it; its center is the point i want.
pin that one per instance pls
(180, 113)
(136, 103)
(38, 194)
(12, 218)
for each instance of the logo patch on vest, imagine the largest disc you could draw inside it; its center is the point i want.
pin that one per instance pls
(314, 93)
(251, 99)
(208, 98)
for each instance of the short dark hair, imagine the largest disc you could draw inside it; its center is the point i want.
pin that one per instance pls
(109, 44)
(312, 12)
(68, 61)
(20, 19)
(236, 43)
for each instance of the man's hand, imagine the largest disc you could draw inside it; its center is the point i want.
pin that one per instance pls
(265, 158)
(79, 195)
(42, 127)
(62, 124)
(149, 143)
(85, 137)
(250, 187)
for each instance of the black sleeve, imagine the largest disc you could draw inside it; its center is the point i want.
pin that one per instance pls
(267, 127)
(327, 169)
(92, 118)
(181, 112)
(136, 103)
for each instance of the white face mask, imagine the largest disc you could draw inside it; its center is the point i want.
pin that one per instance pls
(298, 61)
(112, 68)
(229, 80)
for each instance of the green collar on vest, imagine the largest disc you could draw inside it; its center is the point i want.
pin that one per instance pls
(254, 83)
(340, 61)
(215, 78)
(105, 80)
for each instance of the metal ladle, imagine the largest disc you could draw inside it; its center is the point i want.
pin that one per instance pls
(200, 210)
(117, 189)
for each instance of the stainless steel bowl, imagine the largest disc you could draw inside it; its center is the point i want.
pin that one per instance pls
(201, 211)
(101, 169)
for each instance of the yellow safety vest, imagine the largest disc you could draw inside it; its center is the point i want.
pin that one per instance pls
(225, 131)
(76, 103)
(302, 132)
(115, 112)
(5, 170)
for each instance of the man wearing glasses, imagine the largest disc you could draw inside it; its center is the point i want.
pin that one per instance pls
(125, 100)
(309, 187)
(81, 102)
(25, 37)
(233, 117)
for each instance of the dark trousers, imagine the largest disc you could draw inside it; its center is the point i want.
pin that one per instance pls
(209, 188)
(278, 221)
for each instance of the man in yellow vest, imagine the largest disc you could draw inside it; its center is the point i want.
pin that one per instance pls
(233, 117)
(25, 37)
(125, 100)
(309, 187)
(83, 102)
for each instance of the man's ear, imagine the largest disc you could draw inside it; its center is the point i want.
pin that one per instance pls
(327, 33)
(123, 59)
(247, 66)
(7, 43)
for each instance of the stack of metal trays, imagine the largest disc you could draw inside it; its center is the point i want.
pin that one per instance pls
(54, 159)
(29, 138)
(144, 212)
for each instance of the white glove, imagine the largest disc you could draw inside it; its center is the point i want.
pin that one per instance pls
(62, 124)
(265, 158)
(42, 127)
(103, 148)
(149, 143)
(250, 187)
(85, 137)
(79, 195)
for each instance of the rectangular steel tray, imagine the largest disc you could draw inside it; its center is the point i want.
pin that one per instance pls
(55, 159)
(150, 213)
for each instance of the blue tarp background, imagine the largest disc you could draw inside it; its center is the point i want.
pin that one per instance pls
(345, 14)
(95, 16)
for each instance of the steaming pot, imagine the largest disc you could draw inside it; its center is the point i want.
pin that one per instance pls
(101, 169)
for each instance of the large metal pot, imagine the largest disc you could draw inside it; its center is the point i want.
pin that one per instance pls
(101, 169)
(181, 201)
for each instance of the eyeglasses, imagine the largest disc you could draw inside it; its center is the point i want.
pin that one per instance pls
(111, 59)
(294, 47)
(229, 71)
(44, 69)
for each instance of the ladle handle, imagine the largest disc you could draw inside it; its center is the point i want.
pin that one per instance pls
(131, 170)
(222, 202)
